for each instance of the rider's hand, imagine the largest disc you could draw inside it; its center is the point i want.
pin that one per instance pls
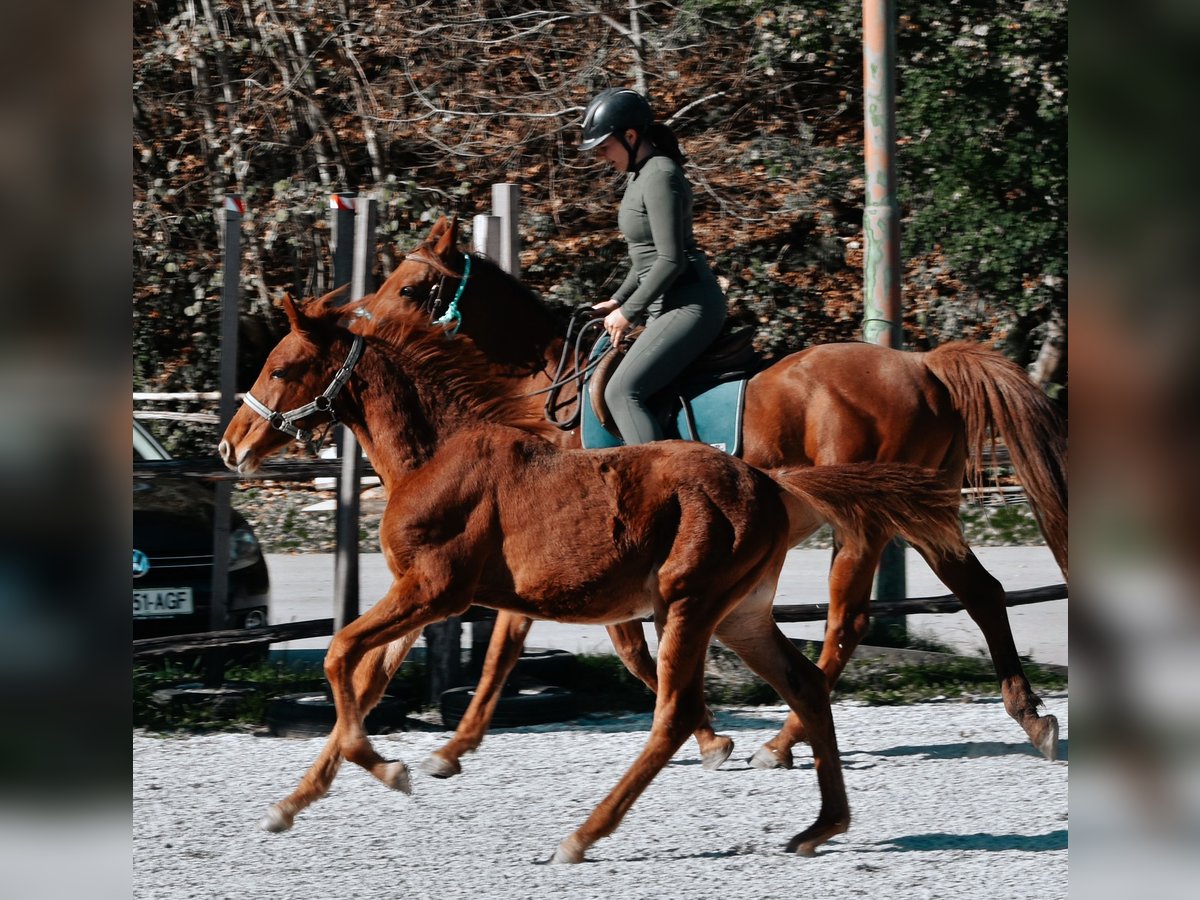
(606, 305)
(616, 325)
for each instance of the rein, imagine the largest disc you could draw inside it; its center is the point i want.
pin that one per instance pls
(286, 421)
(573, 350)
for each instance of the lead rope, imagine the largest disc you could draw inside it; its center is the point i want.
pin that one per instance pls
(452, 315)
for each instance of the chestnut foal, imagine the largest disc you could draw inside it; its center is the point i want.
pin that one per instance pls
(482, 510)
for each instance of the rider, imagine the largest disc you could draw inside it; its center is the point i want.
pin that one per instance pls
(669, 283)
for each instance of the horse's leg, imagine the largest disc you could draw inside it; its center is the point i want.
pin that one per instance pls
(851, 575)
(753, 635)
(410, 604)
(629, 640)
(370, 680)
(508, 639)
(983, 597)
(678, 709)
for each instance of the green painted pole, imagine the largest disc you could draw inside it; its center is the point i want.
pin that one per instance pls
(882, 316)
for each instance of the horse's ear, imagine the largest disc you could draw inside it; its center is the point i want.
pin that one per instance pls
(300, 322)
(439, 227)
(448, 241)
(335, 297)
(290, 309)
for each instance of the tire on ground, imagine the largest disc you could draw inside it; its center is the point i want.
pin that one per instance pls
(530, 705)
(312, 714)
(545, 666)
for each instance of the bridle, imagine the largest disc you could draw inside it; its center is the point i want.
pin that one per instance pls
(286, 421)
(451, 316)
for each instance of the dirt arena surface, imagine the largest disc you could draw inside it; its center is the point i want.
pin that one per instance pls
(947, 798)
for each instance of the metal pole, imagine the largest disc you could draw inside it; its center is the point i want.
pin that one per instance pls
(341, 243)
(882, 316)
(232, 210)
(345, 561)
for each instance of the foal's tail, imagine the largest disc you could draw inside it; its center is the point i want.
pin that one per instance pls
(995, 397)
(864, 500)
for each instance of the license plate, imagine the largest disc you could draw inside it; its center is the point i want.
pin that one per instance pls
(163, 602)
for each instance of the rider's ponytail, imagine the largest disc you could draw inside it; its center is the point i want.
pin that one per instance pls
(665, 142)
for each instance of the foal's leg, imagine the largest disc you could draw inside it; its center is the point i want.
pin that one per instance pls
(983, 597)
(370, 681)
(753, 635)
(508, 639)
(630, 642)
(851, 575)
(678, 709)
(410, 604)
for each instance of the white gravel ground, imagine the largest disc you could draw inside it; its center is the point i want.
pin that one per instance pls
(947, 798)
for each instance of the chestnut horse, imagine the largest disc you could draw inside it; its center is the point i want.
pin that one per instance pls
(827, 405)
(483, 511)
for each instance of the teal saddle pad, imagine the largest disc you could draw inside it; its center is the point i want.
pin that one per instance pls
(703, 411)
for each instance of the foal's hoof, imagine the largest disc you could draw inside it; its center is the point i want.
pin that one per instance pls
(1044, 736)
(568, 852)
(395, 776)
(714, 757)
(275, 821)
(439, 766)
(766, 758)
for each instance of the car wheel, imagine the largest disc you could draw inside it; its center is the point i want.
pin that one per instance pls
(532, 705)
(313, 714)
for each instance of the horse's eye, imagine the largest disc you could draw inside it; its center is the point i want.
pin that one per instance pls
(278, 373)
(407, 291)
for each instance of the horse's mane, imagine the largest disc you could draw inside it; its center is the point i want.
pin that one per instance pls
(459, 370)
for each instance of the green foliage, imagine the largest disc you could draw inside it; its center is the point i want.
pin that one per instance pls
(983, 116)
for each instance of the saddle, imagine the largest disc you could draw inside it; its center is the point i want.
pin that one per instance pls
(731, 356)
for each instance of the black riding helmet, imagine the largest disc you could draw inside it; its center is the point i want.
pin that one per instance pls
(611, 113)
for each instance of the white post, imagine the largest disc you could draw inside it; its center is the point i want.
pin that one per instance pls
(506, 203)
(485, 236)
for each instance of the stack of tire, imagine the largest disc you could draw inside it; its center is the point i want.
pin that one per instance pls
(533, 694)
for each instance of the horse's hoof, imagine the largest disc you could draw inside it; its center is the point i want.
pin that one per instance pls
(395, 776)
(568, 852)
(716, 755)
(439, 766)
(275, 821)
(766, 758)
(807, 841)
(1046, 738)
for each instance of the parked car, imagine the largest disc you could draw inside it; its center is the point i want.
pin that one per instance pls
(173, 555)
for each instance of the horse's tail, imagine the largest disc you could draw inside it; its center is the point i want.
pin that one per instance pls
(995, 397)
(862, 500)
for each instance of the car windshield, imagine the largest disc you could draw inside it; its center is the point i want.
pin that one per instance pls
(145, 446)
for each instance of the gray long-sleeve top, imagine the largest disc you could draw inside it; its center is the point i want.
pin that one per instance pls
(655, 218)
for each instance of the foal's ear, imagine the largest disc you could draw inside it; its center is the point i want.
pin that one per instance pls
(337, 296)
(301, 323)
(448, 240)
